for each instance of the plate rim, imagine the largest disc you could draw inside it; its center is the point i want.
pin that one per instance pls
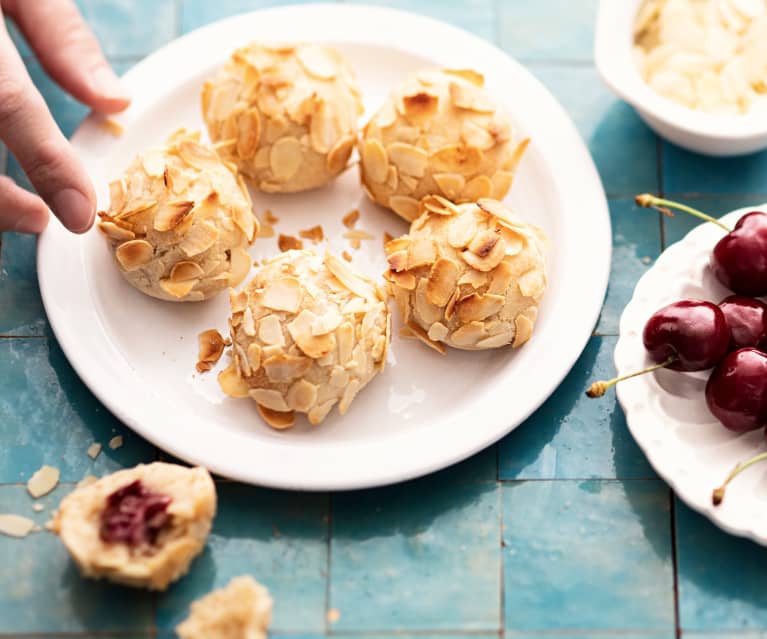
(599, 210)
(717, 515)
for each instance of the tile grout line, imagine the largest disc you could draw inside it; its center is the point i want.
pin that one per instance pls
(502, 594)
(674, 564)
(659, 177)
(327, 564)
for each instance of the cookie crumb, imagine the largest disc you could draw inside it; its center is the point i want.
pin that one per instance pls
(346, 256)
(94, 450)
(288, 242)
(315, 234)
(43, 481)
(38, 508)
(116, 442)
(270, 217)
(646, 260)
(350, 219)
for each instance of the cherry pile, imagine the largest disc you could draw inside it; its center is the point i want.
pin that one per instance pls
(729, 337)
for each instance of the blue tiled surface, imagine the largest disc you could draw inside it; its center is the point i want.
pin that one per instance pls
(561, 530)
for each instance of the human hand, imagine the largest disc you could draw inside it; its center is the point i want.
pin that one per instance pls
(69, 52)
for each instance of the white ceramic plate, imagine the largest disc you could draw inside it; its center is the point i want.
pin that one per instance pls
(426, 411)
(666, 411)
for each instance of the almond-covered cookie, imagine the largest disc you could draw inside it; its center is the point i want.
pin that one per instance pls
(241, 610)
(179, 222)
(439, 133)
(468, 275)
(139, 527)
(307, 333)
(286, 115)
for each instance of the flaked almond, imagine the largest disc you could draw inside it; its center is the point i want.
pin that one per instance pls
(153, 162)
(346, 256)
(451, 184)
(325, 129)
(443, 278)
(420, 105)
(301, 330)
(478, 307)
(115, 232)
(350, 392)
(424, 310)
(532, 283)
(403, 279)
(501, 184)
(211, 346)
(475, 135)
(317, 61)
(478, 187)
(356, 234)
(239, 265)
(476, 78)
(497, 340)
(515, 158)
(327, 323)
(422, 251)
(238, 301)
(338, 156)
(457, 158)
(375, 162)
(279, 420)
(137, 208)
(355, 283)
(387, 237)
(438, 205)
(269, 398)
(398, 260)
(244, 220)
(470, 98)
(270, 217)
(284, 368)
(437, 332)
(265, 230)
(231, 382)
(315, 234)
(249, 133)
(289, 243)
(475, 279)
(469, 334)
(43, 481)
(523, 330)
(270, 331)
(112, 126)
(500, 279)
(484, 242)
(283, 295)
(248, 322)
(134, 254)
(345, 341)
(302, 395)
(116, 195)
(254, 357)
(178, 290)
(197, 156)
(408, 158)
(317, 414)
(404, 206)
(199, 239)
(418, 332)
(182, 271)
(350, 219)
(285, 158)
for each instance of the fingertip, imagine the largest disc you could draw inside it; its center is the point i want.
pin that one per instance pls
(33, 222)
(75, 210)
(109, 93)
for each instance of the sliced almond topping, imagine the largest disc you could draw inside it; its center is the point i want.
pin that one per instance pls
(514, 241)
(474, 135)
(438, 205)
(324, 130)
(345, 339)
(178, 290)
(420, 105)
(450, 306)
(451, 184)
(408, 181)
(244, 220)
(471, 98)
(327, 323)
(302, 396)
(524, 329)
(289, 243)
(478, 307)
(338, 157)
(443, 278)
(403, 279)
(261, 161)
(248, 322)
(501, 184)
(301, 330)
(182, 271)
(392, 177)
(421, 334)
(425, 311)
(231, 383)
(409, 159)
(198, 156)
(254, 357)
(437, 332)
(500, 280)
(355, 243)
(398, 261)
(116, 196)
(269, 398)
(355, 283)
(199, 239)
(211, 347)
(315, 234)
(284, 368)
(339, 377)
(249, 133)
(475, 279)
(134, 254)
(497, 340)
(422, 251)
(279, 420)
(320, 412)
(457, 158)
(476, 78)
(532, 283)
(317, 61)
(283, 295)
(116, 233)
(154, 162)
(285, 158)
(137, 208)
(484, 242)
(346, 256)
(239, 265)
(387, 237)
(478, 187)
(404, 206)
(350, 392)
(469, 334)
(350, 219)
(270, 331)
(43, 481)
(15, 525)
(374, 160)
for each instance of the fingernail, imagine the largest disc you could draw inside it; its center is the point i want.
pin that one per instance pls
(73, 209)
(106, 83)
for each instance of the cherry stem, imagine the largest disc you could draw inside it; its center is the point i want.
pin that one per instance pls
(718, 495)
(646, 200)
(598, 389)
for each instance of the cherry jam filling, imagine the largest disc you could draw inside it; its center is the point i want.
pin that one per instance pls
(134, 515)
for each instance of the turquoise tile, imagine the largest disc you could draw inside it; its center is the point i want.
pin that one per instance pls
(572, 436)
(196, 13)
(602, 635)
(477, 16)
(636, 245)
(280, 539)
(42, 592)
(547, 30)
(725, 635)
(419, 556)
(687, 172)
(678, 226)
(587, 556)
(48, 416)
(623, 148)
(23, 312)
(721, 577)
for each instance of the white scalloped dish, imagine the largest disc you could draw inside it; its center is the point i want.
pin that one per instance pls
(666, 411)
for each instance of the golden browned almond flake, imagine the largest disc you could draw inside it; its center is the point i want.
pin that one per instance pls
(398, 261)
(451, 184)
(478, 187)
(315, 234)
(473, 134)
(422, 251)
(501, 183)
(374, 160)
(338, 156)
(115, 232)
(134, 254)
(249, 133)
(270, 331)
(408, 158)
(346, 256)
(476, 78)
(197, 156)
(285, 158)
(266, 230)
(239, 265)
(420, 105)
(116, 442)
(319, 412)
(469, 334)
(517, 155)
(289, 243)
(421, 334)
(457, 158)
(94, 450)
(231, 382)
(301, 330)
(269, 398)
(437, 332)
(443, 278)
(478, 307)
(349, 278)
(43, 481)
(178, 289)
(523, 330)
(403, 279)
(185, 270)
(199, 239)
(279, 420)
(355, 243)
(285, 368)
(387, 237)
(350, 392)
(154, 163)
(470, 98)
(501, 277)
(350, 219)
(532, 283)
(211, 346)
(302, 395)
(357, 234)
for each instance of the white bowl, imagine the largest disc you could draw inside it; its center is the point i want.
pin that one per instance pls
(706, 133)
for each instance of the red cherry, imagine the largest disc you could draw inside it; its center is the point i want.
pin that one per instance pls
(747, 320)
(736, 392)
(691, 333)
(739, 259)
